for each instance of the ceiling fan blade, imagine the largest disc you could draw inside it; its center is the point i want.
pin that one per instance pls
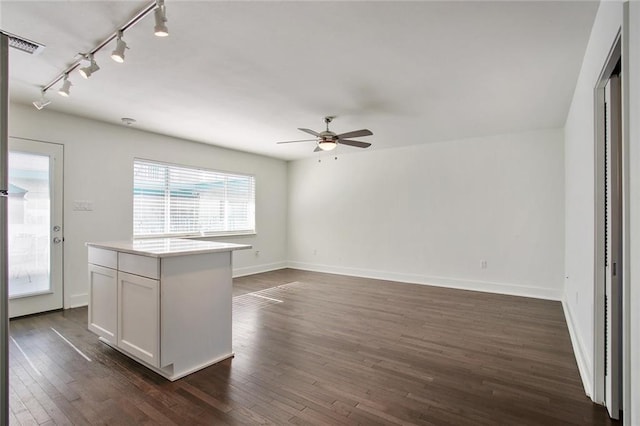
(354, 143)
(355, 134)
(317, 149)
(301, 140)
(311, 132)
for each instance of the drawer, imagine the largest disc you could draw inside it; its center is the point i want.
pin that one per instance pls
(145, 266)
(103, 257)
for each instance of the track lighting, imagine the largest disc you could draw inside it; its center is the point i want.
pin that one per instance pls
(87, 71)
(42, 102)
(87, 65)
(160, 14)
(66, 86)
(118, 54)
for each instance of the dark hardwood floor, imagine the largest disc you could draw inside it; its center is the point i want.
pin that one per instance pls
(316, 348)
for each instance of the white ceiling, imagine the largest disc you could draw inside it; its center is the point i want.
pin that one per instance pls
(245, 74)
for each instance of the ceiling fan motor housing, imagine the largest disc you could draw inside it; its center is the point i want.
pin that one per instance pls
(327, 140)
(327, 136)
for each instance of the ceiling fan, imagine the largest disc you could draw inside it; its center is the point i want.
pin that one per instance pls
(328, 140)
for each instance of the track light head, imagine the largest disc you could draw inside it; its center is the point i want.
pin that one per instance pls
(160, 15)
(118, 54)
(66, 87)
(42, 102)
(87, 71)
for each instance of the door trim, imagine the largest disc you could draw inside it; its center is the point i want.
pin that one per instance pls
(54, 299)
(614, 221)
(4, 273)
(616, 54)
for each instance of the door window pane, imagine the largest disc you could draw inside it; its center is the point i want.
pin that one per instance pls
(29, 217)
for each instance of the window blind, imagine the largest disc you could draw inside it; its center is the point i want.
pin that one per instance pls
(171, 200)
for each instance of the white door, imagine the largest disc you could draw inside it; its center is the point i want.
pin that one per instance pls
(35, 234)
(613, 250)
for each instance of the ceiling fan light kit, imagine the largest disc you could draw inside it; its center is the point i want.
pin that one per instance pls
(327, 145)
(328, 140)
(160, 30)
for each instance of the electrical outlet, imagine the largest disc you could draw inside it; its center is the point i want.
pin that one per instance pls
(483, 264)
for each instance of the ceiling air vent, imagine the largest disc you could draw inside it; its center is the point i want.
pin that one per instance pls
(27, 46)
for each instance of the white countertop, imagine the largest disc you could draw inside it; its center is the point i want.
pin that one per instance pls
(166, 247)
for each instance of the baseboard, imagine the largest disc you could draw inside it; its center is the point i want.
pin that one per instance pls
(484, 286)
(579, 350)
(256, 269)
(76, 300)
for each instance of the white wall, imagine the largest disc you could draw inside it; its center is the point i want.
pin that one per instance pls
(98, 166)
(579, 187)
(430, 214)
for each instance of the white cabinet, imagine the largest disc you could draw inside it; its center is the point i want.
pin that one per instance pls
(139, 317)
(103, 302)
(124, 307)
(171, 311)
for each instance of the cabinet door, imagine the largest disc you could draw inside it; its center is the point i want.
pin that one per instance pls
(139, 317)
(103, 302)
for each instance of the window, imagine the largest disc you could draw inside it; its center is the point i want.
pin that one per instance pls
(170, 200)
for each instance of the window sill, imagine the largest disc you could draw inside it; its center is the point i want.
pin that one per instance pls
(198, 236)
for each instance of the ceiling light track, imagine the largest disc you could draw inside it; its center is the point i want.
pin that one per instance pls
(120, 47)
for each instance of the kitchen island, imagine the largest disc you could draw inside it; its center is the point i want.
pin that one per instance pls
(165, 303)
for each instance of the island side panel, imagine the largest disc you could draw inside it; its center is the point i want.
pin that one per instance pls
(196, 300)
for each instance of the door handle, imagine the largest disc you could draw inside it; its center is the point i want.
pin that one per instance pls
(56, 240)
